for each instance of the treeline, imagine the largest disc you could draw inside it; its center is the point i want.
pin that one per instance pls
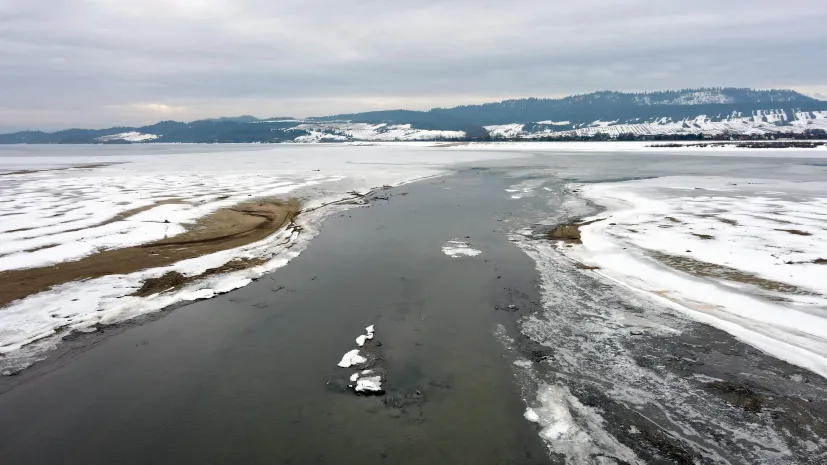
(810, 134)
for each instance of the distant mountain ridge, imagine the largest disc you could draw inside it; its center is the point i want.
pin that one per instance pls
(603, 105)
(681, 113)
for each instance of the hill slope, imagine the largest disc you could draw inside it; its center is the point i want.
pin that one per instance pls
(670, 114)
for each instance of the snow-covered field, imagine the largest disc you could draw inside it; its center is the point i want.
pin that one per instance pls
(338, 131)
(748, 256)
(653, 148)
(759, 122)
(131, 136)
(65, 214)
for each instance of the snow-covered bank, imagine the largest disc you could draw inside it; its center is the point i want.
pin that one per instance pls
(745, 256)
(640, 147)
(53, 216)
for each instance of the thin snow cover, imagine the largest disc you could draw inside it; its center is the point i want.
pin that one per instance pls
(352, 358)
(743, 256)
(157, 191)
(131, 136)
(505, 130)
(702, 97)
(759, 122)
(554, 123)
(725, 150)
(457, 248)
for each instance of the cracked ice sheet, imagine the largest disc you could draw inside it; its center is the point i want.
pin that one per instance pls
(41, 208)
(740, 225)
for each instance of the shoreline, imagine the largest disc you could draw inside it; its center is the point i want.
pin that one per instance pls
(224, 229)
(156, 291)
(753, 300)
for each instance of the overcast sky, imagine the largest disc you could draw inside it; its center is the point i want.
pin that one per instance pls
(98, 63)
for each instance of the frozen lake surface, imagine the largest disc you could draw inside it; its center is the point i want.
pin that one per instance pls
(687, 327)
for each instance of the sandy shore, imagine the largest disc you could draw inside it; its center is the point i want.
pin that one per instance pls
(224, 229)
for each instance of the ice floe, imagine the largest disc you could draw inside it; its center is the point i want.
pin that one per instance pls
(352, 358)
(368, 381)
(369, 384)
(457, 248)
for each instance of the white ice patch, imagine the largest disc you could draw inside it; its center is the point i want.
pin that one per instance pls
(369, 384)
(352, 358)
(577, 438)
(525, 188)
(457, 248)
(366, 381)
(360, 341)
(589, 326)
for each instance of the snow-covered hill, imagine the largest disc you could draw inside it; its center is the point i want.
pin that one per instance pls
(339, 131)
(131, 136)
(666, 114)
(760, 122)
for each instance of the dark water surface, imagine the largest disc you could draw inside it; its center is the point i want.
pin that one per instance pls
(251, 376)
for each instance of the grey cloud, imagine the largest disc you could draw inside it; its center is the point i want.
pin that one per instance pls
(104, 62)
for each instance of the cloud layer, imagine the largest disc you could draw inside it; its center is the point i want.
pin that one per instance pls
(105, 62)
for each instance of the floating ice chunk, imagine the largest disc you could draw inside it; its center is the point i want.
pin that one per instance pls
(456, 249)
(531, 415)
(366, 381)
(352, 358)
(573, 429)
(361, 339)
(369, 384)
